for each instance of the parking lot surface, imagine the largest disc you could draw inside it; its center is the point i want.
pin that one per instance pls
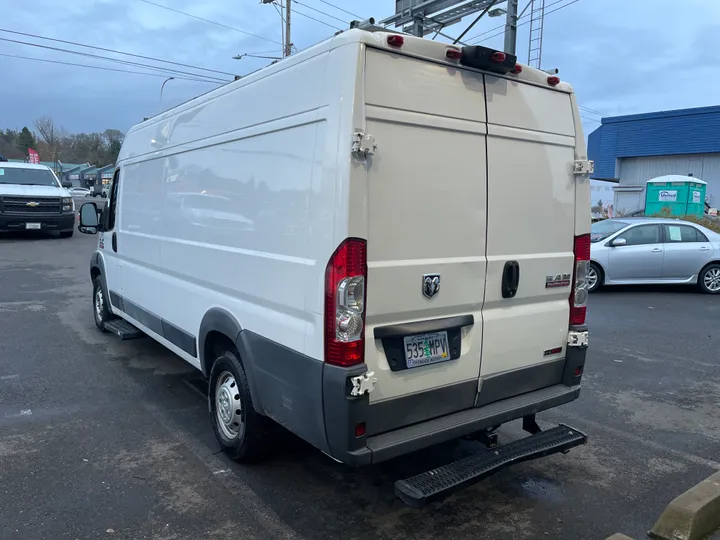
(102, 438)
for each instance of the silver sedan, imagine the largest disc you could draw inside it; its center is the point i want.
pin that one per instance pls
(654, 251)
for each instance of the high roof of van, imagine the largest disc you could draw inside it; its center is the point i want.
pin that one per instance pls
(412, 46)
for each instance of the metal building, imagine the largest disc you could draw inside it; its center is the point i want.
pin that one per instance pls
(632, 149)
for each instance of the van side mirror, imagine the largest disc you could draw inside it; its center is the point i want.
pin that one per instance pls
(67, 184)
(88, 219)
(619, 242)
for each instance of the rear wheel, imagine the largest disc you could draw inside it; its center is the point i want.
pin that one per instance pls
(709, 279)
(241, 432)
(594, 277)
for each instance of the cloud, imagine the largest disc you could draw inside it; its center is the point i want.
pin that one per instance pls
(621, 56)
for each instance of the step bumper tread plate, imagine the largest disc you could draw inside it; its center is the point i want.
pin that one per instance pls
(123, 329)
(418, 490)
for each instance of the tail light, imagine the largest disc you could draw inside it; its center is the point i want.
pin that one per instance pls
(579, 292)
(345, 278)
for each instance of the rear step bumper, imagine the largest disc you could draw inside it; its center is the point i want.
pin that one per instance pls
(418, 490)
(453, 426)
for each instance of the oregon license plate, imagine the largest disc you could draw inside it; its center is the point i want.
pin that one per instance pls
(426, 349)
(32, 226)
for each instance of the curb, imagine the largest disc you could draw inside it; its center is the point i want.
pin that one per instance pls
(693, 515)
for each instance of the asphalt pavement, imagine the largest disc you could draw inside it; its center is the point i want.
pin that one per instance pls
(101, 438)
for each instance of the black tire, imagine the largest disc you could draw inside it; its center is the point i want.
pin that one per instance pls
(67, 234)
(709, 279)
(101, 315)
(251, 441)
(600, 276)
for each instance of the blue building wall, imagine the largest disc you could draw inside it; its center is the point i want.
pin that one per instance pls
(683, 131)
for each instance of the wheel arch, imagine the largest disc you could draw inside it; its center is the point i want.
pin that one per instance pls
(602, 269)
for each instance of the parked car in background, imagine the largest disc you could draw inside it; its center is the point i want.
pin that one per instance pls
(32, 198)
(79, 192)
(99, 191)
(651, 251)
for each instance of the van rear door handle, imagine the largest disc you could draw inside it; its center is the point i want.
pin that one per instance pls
(510, 279)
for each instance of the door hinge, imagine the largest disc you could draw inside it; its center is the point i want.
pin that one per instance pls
(363, 145)
(583, 167)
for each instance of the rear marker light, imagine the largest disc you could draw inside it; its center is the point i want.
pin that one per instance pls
(553, 81)
(395, 41)
(579, 292)
(517, 69)
(453, 54)
(360, 429)
(578, 371)
(345, 278)
(498, 57)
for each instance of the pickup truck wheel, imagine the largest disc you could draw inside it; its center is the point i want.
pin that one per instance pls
(101, 310)
(709, 279)
(241, 432)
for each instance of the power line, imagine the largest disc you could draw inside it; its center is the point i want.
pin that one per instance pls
(343, 10)
(211, 22)
(476, 40)
(104, 68)
(590, 119)
(170, 71)
(311, 18)
(322, 12)
(593, 111)
(121, 52)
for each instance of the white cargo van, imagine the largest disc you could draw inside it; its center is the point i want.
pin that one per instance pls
(389, 256)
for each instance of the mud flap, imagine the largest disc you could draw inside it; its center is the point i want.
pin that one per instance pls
(425, 487)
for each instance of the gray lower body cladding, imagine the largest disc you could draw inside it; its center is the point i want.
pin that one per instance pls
(312, 399)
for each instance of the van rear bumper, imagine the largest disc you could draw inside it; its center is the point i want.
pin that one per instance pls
(416, 437)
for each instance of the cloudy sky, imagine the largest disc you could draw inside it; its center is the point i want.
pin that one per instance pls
(622, 56)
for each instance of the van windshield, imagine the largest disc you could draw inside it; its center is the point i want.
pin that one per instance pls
(602, 229)
(27, 177)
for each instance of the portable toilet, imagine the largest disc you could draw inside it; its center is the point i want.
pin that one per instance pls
(682, 195)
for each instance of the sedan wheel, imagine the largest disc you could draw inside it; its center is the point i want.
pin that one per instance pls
(593, 278)
(710, 279)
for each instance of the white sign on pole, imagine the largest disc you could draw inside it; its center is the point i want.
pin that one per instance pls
(668, 195)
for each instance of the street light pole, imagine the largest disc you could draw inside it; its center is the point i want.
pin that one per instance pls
(511, 27)
(162, 88)
(288, 41)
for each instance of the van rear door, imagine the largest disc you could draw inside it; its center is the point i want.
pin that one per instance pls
(531, 223)
(426, 222)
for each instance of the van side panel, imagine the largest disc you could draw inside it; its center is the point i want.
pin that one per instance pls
(531, 217)
(424, 217)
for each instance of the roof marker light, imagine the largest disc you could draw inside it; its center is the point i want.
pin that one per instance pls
(453, 54)
(553, 81)
(395, 40)
(517, 69)
(498, 57)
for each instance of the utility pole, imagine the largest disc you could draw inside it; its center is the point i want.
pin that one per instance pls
(511, 26)
(288, 41)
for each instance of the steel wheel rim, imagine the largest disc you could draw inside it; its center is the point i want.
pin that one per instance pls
(592, 278)
(228, 407)
(99, 304)
(712, 279)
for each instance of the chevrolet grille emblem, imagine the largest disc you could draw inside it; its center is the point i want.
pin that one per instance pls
(33, 204)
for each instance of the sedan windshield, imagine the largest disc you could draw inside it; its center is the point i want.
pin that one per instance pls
(602, 229)
(27, 177)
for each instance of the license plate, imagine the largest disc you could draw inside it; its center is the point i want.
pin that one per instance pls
(426, 349)
(32, 225)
